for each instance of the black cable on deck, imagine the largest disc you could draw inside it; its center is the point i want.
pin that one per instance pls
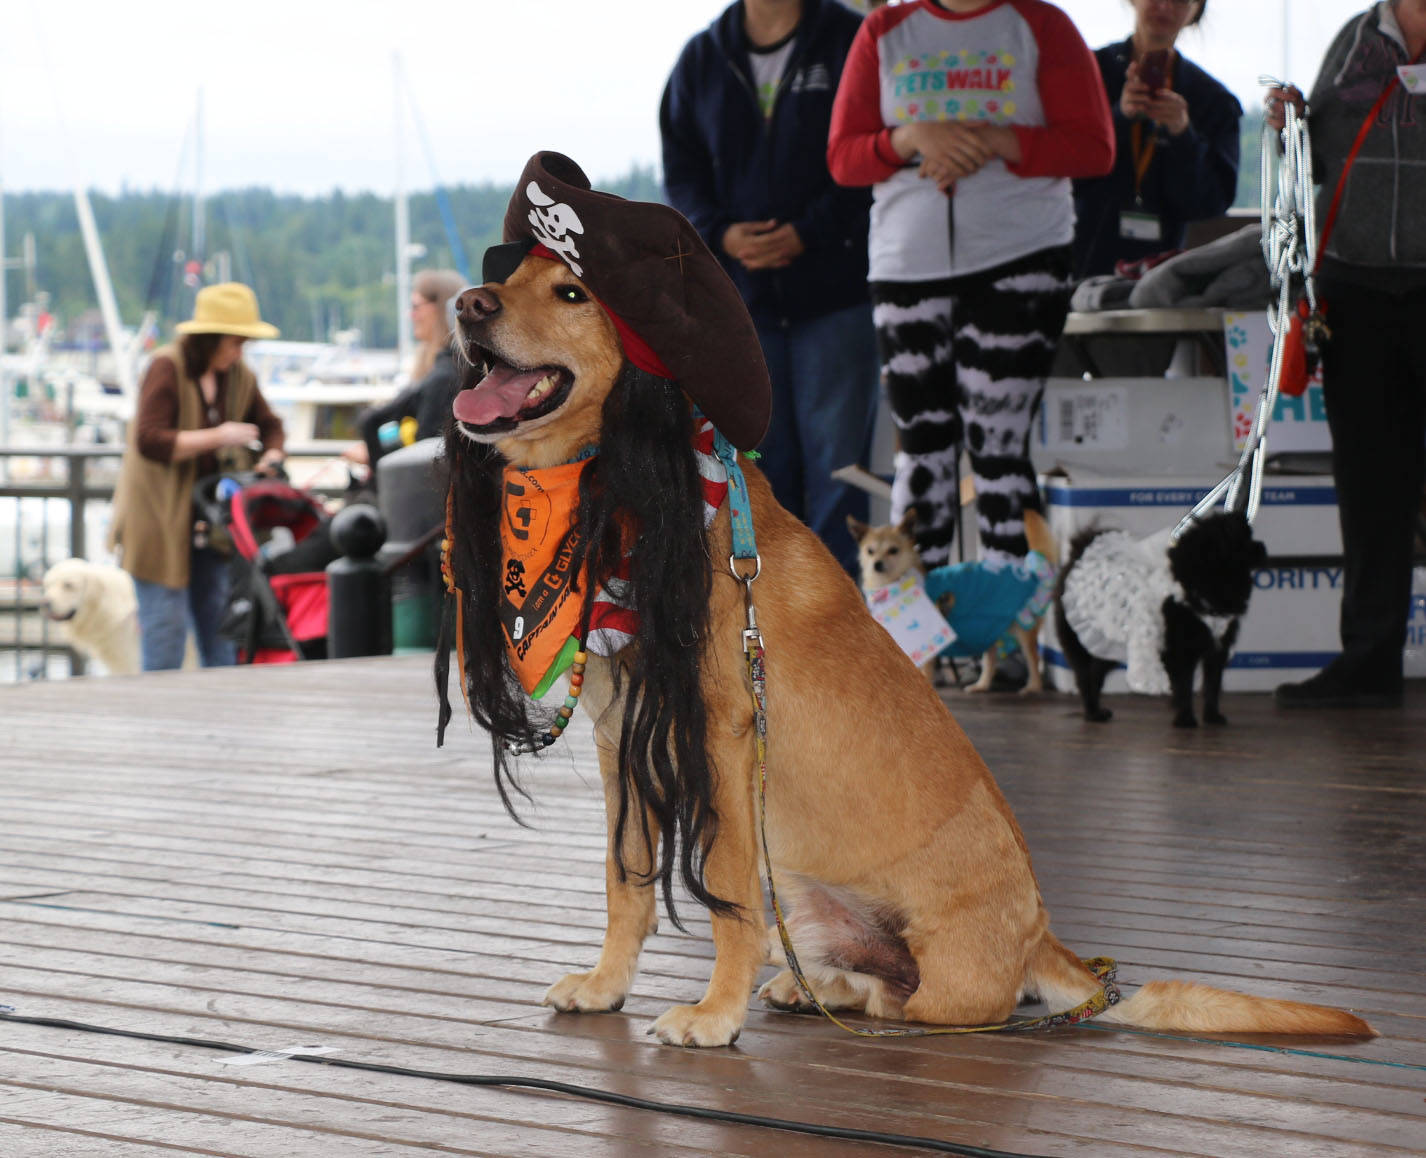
(591, 1093)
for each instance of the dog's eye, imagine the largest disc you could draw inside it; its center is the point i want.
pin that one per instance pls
(570, 293)
(893, 550)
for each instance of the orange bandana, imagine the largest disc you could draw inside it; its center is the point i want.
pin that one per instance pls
(538, 541)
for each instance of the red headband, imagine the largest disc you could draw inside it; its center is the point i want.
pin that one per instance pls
(636, 349)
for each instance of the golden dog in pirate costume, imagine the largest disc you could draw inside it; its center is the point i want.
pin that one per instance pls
(588, 532)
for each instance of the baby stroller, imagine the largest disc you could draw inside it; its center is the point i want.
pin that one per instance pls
(281, 545)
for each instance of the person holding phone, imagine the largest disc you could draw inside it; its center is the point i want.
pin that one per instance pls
(1177, 134)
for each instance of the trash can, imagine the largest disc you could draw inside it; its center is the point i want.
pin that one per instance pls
(411, 492)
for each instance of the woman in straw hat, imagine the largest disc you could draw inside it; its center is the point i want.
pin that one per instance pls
(200, 412)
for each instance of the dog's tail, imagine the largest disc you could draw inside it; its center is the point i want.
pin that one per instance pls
(1059, 978)
(1037, 534)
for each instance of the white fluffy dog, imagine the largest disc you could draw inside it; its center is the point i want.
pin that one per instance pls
(96, 604)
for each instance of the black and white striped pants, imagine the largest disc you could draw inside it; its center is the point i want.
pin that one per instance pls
(964, 360)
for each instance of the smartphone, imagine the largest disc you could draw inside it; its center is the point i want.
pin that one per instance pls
(1154, 70)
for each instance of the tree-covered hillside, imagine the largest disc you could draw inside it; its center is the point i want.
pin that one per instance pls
(318, 263)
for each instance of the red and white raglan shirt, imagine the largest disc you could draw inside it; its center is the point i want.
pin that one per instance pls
(1021, 63)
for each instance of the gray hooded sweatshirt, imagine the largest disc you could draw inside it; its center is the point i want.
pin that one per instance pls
(1380, 235)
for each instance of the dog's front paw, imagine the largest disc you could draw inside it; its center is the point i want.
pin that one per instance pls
(783, 993)
(585, 993)
(699, 1026)
(1185, 720)
(1099, 715)
(1214, 717)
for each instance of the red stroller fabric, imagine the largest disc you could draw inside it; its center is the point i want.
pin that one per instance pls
(288, 588)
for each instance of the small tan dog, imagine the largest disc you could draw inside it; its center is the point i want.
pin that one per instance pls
(888, 552)
(885, 553)
(96, 605)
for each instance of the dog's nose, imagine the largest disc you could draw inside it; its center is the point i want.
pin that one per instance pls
(476, 305)
(879, 565)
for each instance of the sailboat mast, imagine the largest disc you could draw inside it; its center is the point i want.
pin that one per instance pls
(198, 222)
(403, 234)
(104, 289)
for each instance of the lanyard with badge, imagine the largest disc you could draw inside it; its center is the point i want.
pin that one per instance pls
(1137, 223)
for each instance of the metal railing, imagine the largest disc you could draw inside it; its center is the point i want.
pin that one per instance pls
(69, 479)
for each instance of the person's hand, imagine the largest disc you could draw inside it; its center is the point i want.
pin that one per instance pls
(1134, 101)
(1170, 110)
(237, 433)
(357, 452)
(271, 461)
(774, 249)
(1274, 112)
(949, 150)
(740, 238)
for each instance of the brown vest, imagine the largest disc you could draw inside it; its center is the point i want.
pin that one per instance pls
(152, 526)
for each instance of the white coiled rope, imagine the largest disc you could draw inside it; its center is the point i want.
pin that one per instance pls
(1290, 251)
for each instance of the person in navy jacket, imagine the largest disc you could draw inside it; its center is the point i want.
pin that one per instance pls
(744, 121)
(1177, 147)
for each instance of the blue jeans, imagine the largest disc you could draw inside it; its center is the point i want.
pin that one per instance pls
(166, 614)
(825, 374)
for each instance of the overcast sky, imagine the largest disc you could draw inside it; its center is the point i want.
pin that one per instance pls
(298, 94)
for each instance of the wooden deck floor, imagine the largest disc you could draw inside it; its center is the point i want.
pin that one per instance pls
(281, 858)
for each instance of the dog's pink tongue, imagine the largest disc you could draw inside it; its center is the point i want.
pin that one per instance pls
(500, 394)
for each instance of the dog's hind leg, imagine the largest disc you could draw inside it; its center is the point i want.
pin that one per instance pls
(963, 979)
(850, 960)
(839, 990)
(987, 672)
(632, 907)
(1090, 671)
(1029, 641)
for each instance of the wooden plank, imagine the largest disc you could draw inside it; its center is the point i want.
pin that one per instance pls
(51, 1140)
(353, 885)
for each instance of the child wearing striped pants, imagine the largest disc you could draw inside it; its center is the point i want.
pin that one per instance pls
(969, 118)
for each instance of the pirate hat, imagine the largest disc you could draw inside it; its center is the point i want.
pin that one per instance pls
(676, 311)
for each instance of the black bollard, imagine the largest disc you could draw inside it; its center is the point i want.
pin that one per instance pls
(358, 590)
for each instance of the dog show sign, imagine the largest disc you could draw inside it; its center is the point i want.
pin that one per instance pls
(906, 611)
(1298, 423)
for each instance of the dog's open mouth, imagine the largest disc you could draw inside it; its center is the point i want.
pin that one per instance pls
(57, 617)
(507, 395)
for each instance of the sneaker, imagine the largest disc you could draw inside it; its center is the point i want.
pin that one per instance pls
(1329, 688)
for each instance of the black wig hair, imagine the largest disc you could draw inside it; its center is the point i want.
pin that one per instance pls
(643, 481)
(1213, 562)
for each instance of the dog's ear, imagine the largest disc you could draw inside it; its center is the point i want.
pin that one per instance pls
(907, 525)
(857, 528)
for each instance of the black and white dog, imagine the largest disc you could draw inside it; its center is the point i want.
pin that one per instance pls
(1159, 607)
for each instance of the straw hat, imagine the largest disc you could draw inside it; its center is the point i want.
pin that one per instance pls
(230, 308)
